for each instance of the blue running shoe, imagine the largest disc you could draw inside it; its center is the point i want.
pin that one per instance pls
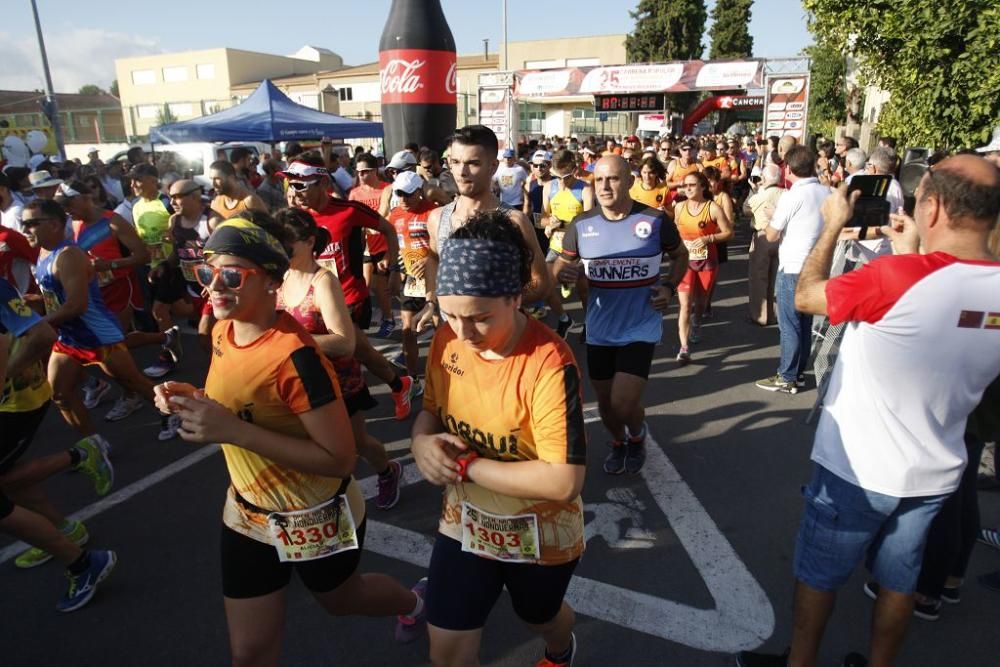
(83, 586)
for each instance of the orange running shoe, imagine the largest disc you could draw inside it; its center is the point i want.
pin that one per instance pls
(402, 398)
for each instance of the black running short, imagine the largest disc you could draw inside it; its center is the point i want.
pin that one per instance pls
(251, 569)
(361, 313)
(170, 287)
(463, 587)
(412, 304)
(603, 361)
(18, 429)
(361, 400)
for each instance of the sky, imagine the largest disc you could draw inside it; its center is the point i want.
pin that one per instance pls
(83, 39)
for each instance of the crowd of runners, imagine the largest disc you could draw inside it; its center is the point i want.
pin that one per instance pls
(287, 268)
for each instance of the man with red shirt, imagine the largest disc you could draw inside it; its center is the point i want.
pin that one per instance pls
(919, 349)
(16, 259)
(369, 192)
(309, 182)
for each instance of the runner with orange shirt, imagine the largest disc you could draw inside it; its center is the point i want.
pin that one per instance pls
(502, 430)
(702, 224)
(271, 397)
(410, 221)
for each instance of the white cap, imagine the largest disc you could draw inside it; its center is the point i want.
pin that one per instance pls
(43, 179)
(541, 156)
(402, 160)
(408, 182)
(92, 149)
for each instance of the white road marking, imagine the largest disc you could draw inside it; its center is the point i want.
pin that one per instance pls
(742, 618)
(124, 494)
(624, 506)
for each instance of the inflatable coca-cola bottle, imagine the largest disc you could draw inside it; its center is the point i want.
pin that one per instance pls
(417, 72)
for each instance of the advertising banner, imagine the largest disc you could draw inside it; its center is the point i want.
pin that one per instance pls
(676, 77)
(786, 105)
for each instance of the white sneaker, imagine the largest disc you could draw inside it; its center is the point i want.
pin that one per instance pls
(126, 405)
(94, 392)
(169, 425)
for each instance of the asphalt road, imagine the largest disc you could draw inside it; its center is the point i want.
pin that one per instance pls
(685, 563)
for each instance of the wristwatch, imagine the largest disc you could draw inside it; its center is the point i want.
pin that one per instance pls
(113, 264)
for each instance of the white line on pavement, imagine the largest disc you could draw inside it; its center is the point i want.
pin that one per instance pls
(742, 618)
(124, 494)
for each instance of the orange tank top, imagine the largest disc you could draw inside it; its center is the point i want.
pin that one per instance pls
(692, 226)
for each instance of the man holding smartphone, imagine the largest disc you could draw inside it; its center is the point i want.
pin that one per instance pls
(921, 346)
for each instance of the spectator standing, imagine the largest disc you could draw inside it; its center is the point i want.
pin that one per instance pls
(797, 223)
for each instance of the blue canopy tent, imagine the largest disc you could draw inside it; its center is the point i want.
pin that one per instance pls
(267, 116)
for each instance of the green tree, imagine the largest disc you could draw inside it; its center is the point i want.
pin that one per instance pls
(827, 94)
(90, 89)
(114, 88)
(730, 31)
(666, 30)
(936, 58)
(165, 116)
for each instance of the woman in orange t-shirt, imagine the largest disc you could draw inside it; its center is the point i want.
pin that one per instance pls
(272, 399)
(502, 430)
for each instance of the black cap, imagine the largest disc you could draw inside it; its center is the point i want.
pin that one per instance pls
(143, 170)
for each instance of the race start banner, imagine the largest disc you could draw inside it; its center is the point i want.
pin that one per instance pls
(786, 104)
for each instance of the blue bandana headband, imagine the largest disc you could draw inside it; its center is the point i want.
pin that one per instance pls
(479, 267)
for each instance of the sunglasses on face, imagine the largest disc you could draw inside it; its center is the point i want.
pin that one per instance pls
(233, 277)
(364, 171)
(403, 195)
(300, 186)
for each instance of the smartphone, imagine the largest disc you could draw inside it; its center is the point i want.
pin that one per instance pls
(872, 208)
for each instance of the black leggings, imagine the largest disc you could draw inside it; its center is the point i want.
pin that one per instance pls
(953, 532)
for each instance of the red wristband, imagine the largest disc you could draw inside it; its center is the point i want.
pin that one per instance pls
(463, 465)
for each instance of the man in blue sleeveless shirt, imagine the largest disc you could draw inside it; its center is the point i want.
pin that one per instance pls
(619, 245)
(89, 333)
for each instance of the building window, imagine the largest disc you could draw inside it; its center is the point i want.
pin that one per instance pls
(583, 62)
(147, 110)
(143, 77)
(181, 109)
(531, 118)
(346, 94)
(175, 74)
(205, 71)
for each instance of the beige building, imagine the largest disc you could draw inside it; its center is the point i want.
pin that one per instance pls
(190, 84)
(185, 85)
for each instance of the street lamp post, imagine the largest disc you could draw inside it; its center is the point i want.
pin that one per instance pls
(51, 105)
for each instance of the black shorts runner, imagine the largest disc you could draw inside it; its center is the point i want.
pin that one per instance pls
(412, 304)
(18, 429)
(170, 287)
(361, 400)
(251, 569)
(463, 587)
(361, 313)
(603, 361)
